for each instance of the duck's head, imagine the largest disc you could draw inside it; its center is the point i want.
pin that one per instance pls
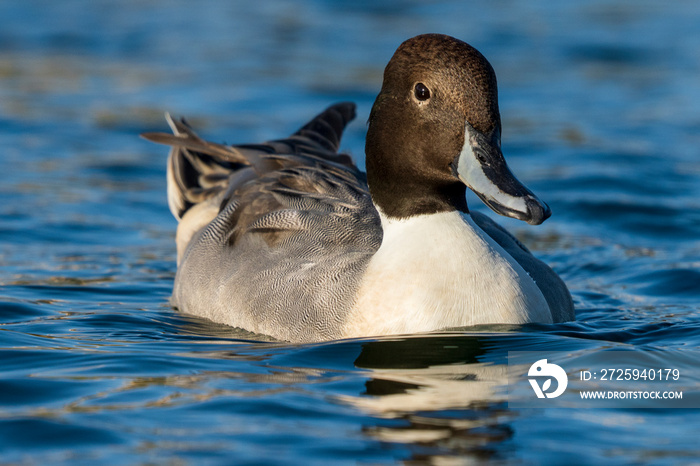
(435, 129)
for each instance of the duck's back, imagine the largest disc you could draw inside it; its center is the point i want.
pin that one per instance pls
(273, 238)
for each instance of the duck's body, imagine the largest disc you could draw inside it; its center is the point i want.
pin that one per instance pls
(285, 239)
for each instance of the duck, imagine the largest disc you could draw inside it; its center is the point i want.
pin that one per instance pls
(289, 239)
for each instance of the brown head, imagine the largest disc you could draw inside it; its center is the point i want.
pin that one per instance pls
(435, 129)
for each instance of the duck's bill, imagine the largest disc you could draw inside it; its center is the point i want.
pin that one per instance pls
(483, 169)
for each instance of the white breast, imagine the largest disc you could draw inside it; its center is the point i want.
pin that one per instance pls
(439, 271)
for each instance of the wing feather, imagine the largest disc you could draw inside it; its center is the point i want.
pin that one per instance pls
(273, 235)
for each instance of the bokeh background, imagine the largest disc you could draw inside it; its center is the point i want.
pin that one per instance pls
(600, 102)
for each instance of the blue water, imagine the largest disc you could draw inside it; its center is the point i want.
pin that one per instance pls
(600, 102)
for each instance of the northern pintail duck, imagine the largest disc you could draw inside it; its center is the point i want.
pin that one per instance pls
(289, 239)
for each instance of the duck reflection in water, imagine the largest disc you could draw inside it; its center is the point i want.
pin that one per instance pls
(440, 395)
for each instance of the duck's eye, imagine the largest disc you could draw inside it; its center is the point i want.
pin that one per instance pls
(421, 92)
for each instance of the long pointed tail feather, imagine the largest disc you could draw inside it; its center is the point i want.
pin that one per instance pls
(199, 169)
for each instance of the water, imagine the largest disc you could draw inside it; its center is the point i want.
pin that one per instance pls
(600, 111)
